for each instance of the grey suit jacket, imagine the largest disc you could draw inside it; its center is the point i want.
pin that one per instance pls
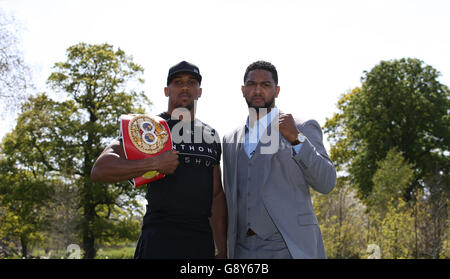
(286, 184)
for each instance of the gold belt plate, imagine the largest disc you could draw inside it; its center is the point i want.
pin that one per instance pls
(147, 135)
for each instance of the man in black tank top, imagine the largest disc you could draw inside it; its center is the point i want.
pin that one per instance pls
(186, 210)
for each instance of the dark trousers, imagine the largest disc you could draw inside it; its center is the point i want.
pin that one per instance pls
(162, 241)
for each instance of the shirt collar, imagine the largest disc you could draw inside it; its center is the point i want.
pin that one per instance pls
(266, 120)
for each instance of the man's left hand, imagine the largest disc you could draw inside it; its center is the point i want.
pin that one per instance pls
(287, 127)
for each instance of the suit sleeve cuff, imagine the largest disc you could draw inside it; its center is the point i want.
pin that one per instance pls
(297, 148)
(305, 156)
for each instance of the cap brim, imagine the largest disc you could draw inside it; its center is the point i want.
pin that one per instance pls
(197, 76)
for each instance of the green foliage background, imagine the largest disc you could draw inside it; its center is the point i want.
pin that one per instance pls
(55, 144)
(389, 142)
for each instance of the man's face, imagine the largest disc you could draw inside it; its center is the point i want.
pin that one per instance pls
(260, 90)
(182, 91)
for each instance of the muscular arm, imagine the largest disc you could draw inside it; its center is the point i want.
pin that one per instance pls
(112, 165)
(218, 218)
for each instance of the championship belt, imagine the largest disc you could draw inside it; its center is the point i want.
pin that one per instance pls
(144, 136)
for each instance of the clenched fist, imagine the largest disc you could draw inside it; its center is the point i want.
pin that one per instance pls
(167, 162)
(287, 127)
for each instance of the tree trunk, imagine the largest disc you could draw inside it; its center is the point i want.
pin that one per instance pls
(88, 235)
(89, 197)
(24, 243)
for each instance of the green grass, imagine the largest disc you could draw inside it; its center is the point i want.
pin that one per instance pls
(122, 252)
(116, 253)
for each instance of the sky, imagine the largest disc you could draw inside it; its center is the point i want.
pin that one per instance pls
(320, 48)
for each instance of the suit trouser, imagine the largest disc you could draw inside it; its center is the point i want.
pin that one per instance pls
(254, 247)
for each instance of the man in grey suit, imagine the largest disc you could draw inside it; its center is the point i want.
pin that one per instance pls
(269, 164)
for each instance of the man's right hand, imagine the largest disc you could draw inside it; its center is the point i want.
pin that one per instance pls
(167, 162)
(112, 165)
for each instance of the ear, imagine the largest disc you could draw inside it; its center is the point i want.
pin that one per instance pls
(277, 91)
(166, 91)
(199, 92)
(243, 90)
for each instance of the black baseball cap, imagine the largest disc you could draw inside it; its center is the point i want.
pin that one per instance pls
(184, 67)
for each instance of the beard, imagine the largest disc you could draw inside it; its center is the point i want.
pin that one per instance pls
(189, 106)
(267, 104)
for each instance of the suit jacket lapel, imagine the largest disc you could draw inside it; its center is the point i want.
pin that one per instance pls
(240, 137)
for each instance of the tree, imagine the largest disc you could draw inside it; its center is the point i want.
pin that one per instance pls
(63, 217)
(393, 176)
(23, 196)
(64, 138)
(390, 216)
(402, 104)
(341, 218)
(95, 78)
(395, 231)
(14, 74)
(431, 211)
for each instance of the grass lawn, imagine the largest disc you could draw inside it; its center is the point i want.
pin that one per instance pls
(123, 252)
